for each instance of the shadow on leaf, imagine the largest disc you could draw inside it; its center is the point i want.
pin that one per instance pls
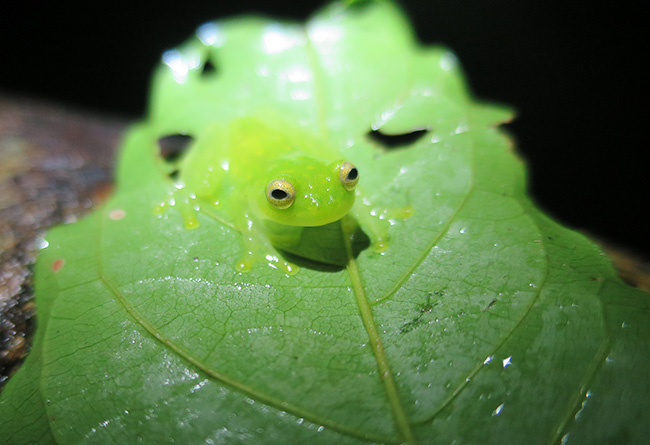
(319, 248)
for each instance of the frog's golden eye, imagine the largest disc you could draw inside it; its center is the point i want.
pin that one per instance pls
(349, 175)
(280, 194)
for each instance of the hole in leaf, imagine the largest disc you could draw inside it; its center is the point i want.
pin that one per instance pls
(173, 146)
(392, 141)
(209, 68)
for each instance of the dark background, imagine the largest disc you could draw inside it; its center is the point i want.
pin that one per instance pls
(572, 70)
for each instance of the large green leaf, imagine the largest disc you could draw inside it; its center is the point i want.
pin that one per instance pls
(483, 322)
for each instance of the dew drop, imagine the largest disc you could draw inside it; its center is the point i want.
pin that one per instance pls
(210, 34)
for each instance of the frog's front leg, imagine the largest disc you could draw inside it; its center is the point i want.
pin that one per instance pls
(258, 247)
(375, 221)
(184, 202)
(187, 204)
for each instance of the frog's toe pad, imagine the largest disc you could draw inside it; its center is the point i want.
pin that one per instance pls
(380, 245)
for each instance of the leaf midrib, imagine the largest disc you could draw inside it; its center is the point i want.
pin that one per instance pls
(385, 373)
(365, 311)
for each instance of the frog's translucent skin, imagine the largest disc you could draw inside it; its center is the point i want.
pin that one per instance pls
(230, 166)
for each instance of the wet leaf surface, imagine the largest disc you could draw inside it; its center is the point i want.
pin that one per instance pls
(483, 322)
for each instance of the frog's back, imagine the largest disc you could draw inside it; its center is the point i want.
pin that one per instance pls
(254, 143)
(229, 157)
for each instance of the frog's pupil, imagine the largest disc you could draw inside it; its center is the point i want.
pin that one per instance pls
(279, 194)
(353, 174)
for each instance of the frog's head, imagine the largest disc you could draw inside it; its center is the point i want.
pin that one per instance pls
(303, 191)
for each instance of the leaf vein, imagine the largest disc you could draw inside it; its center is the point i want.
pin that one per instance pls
(480, 365)
(214, 374)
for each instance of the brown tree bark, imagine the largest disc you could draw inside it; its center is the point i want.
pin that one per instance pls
(55, 165)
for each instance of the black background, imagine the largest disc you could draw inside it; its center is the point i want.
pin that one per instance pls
(573, 71)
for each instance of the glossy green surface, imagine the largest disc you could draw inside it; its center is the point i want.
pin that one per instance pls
(234, 169)
(483, 321)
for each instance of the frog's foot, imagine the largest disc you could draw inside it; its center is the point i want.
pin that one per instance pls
(390, 216)
(380, 244)
(246, 262)
(277, 262)
(399, 213)
(185, 202)
(187, 211)
(375, 224)
(258, 250)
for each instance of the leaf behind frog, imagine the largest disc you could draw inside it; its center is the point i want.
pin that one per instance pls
(483, 322)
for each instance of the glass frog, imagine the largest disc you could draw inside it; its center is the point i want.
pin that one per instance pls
(261, 176)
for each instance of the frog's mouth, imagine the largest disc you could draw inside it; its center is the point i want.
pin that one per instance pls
(308, 211)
